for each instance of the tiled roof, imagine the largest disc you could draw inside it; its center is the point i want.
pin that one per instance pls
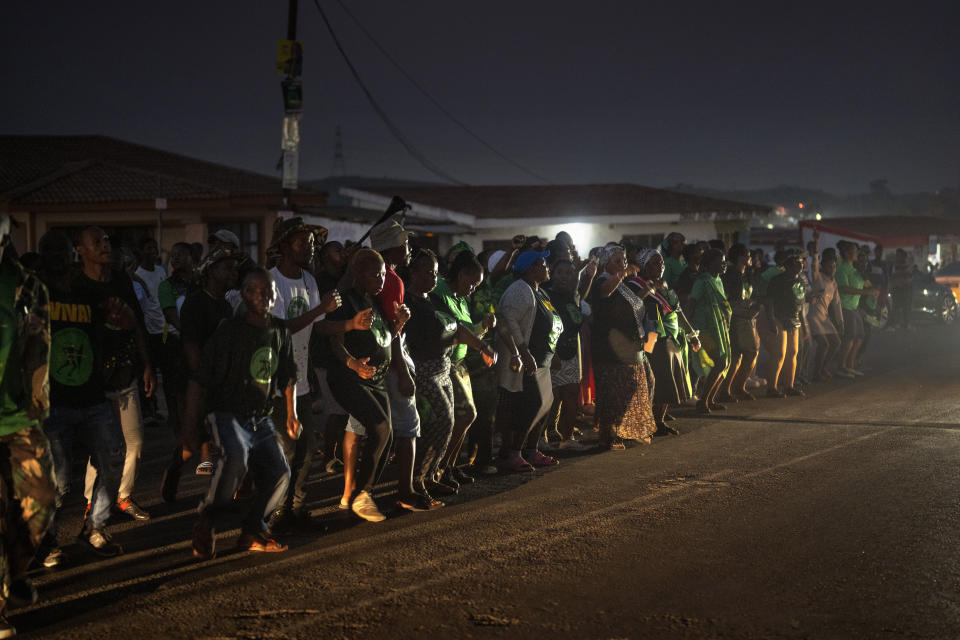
(566, 201)
(76, 169)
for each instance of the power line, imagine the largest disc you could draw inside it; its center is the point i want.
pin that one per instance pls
(436, 103)
(391, 125)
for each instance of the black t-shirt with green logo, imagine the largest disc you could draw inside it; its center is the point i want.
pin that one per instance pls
(547, 327)
(374, 343)
(431, 332)
(119, 355)
(77, 327)
(787, 293)
(245, 366)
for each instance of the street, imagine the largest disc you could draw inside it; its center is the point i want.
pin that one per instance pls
(837, 516)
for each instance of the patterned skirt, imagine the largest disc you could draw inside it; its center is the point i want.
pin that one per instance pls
(623, 400)
(435, 399)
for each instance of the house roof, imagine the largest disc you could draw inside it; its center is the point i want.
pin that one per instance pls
(97, 169)
(566, 201)
(888, 230)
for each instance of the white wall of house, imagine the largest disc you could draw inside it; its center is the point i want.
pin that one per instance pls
(588, 234)
(339, 230)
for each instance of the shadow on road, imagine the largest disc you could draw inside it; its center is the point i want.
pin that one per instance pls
(158, 552)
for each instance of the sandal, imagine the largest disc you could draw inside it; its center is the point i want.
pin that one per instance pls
(664, 429)
(416, 502)
(205, 468)
(259, 543)
(614, 445)
(541, 460)
(519, 465)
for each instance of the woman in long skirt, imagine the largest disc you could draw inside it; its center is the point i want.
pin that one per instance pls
(620, 333)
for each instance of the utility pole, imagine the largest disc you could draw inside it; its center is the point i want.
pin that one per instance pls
(290, 63)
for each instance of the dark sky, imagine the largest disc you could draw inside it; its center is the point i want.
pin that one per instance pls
(721, 94)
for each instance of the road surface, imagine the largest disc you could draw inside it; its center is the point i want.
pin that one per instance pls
(837, 516)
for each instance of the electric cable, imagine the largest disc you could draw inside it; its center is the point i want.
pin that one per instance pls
(436, 102)
(391, 125)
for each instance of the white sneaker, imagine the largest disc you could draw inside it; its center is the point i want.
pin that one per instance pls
(572, 445)
(844, 373)
(366, 508)
(856, 372)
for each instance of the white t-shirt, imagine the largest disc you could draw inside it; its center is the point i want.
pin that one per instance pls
(294, 298)
(152, 313)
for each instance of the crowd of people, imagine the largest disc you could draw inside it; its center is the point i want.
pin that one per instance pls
(450, 367)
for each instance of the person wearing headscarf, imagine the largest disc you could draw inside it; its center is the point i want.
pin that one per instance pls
(529, 317)
(358, 374)
(710, 313)
(670, 356)
(621, 336)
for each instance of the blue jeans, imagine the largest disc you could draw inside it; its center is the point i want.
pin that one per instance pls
(247, 444)
(97, 429)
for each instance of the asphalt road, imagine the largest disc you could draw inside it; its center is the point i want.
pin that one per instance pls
(831, 517)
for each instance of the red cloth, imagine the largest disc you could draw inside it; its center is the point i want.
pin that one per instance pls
(588, 389)
(393, 292)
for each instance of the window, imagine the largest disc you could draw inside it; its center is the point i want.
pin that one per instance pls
(248, 232)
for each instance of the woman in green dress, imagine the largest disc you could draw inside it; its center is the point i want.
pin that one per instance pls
(670, 358)
(710, 314)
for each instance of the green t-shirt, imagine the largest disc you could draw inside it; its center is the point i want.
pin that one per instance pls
(457, 306)
(848, 276)
(13, 416)
(672, 268)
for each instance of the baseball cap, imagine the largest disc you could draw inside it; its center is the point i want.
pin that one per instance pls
(526, 259)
